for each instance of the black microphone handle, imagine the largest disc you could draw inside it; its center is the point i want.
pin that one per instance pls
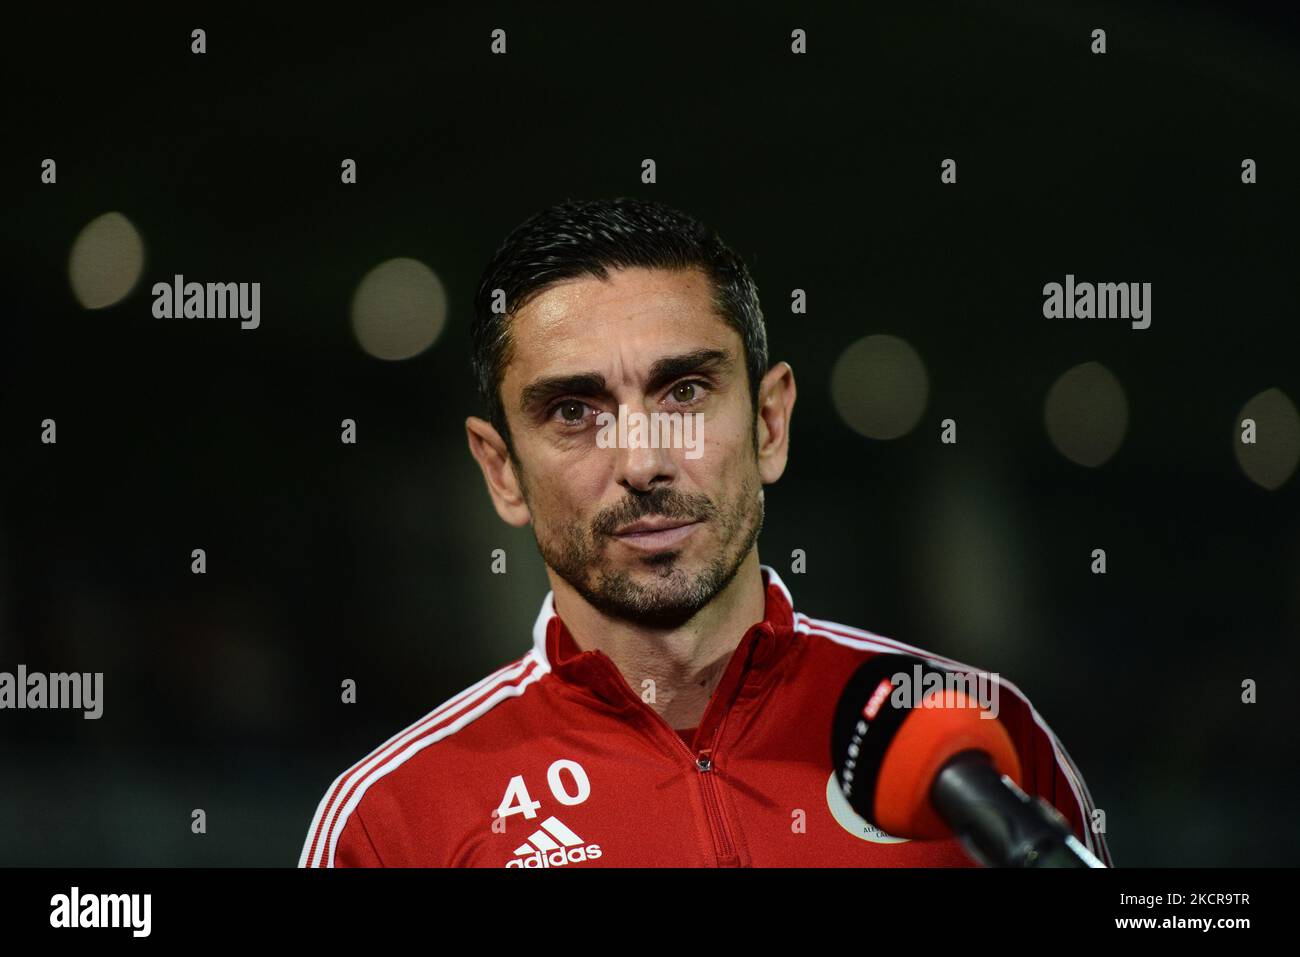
(997, 822)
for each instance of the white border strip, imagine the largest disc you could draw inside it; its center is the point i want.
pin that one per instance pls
(339, 786)
(506, 691)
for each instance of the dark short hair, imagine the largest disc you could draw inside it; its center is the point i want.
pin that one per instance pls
(587, 237)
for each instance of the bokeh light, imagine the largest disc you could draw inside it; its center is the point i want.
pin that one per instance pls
(879, 387)
(106, 261)
(1271, 459)
(1086, 414)
(399, 309)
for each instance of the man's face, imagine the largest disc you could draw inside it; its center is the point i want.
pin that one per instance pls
(650, 340)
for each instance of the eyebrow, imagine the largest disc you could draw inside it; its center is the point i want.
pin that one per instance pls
(539, 393)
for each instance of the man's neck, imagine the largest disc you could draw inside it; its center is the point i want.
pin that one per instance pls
(685, 663)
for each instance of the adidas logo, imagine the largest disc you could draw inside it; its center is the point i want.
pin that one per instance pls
(553, 845)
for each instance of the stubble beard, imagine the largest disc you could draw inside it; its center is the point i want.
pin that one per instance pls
(675, 592)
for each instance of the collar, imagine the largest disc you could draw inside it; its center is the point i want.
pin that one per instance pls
(557, 652)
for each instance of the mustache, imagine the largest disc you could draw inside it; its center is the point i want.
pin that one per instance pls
(663, 503)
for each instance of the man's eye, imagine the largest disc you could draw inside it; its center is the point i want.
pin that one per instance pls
(571, 410)
(686, 391)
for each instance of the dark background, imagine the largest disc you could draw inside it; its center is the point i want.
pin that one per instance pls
(372, 562)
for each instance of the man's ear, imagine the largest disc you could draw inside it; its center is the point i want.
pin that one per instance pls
(489, 450)
(776, 395)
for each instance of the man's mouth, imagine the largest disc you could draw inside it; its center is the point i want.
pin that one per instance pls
(656, 534)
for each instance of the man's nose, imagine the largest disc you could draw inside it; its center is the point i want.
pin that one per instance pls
(640, 465)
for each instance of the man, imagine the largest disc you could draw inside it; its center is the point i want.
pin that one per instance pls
(674, 708)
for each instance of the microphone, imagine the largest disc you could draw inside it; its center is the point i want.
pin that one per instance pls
(913, 756)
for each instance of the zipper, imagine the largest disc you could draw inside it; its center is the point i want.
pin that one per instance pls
(724, 849)
(704, 759)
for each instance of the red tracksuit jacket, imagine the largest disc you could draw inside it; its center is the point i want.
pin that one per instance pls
(584, 773)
